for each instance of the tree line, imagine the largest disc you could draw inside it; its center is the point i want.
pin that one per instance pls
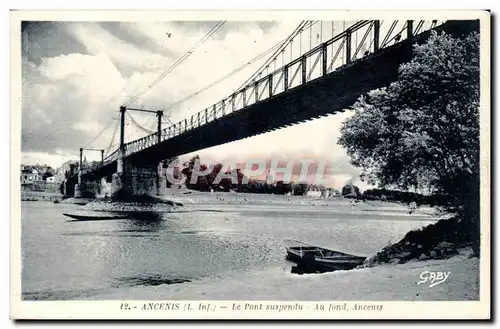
(422, 131)
(207, 183)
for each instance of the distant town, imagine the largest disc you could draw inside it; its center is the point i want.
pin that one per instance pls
(44, 178)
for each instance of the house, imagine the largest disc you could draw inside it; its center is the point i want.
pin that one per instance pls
(316, 193)
(37, 176)
(334, 193)
(26, 176)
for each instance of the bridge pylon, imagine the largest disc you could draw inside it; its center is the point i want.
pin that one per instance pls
(134, 179)
(87, 187)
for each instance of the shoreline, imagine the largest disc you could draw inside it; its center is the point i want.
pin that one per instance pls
(197, 198)
(40, 196)
(386, 282)
(192, 197)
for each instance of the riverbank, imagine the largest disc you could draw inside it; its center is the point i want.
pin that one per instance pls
(382, 283)
(40, 196)
(225, 251)
(149, 204)
(195, 199)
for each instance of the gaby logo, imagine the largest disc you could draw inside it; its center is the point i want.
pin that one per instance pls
(434, 278)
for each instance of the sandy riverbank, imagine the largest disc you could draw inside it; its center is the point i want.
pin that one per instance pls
(40, 196)
(381, 283)
(194, 199)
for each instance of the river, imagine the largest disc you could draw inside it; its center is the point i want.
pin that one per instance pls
(63, 259)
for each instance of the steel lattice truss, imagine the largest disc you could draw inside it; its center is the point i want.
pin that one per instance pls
(338, 52)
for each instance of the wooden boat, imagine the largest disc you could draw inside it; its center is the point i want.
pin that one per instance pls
(312, 259)
(96, 216)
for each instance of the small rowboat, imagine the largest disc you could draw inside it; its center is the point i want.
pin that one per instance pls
(96, 216)
(313, 259)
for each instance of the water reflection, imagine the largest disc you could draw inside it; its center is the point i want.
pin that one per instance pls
(149, 280)
(144, 222)
(78, 260)
(134, 221)
(146, 216)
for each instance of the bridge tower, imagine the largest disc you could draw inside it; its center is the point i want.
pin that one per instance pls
(135, 177)
(88, 187)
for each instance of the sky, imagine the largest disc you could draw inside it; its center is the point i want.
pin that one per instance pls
(75, 75)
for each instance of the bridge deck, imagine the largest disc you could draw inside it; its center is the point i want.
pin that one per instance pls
(329, 94)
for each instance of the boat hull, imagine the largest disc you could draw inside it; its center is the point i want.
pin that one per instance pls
(80, 217)
(312, 259)
(327, 265)
(291, 256)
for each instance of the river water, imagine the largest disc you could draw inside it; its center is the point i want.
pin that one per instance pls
(63, 259)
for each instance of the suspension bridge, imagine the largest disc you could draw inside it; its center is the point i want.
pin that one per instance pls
(295, 84)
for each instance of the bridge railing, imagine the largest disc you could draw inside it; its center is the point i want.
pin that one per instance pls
(356, 41)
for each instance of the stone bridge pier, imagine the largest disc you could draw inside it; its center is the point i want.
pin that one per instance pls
(88, 184)
(135, 180)
(89, 187)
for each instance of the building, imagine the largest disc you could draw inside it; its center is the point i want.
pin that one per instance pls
(314, 192)
(26, 176)
(333, 193)
(35, 173)
(37, 176)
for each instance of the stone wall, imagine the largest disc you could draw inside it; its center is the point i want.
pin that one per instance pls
(136, 181)
(87, 189)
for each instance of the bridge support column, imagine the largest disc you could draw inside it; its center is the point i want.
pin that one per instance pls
(68, 188)
(121, 152)
(409, 29)
(87, 189)
(78, 189)
(136, 181)
(78, 192)
(347, 46)
(159, 115)
(376, 35)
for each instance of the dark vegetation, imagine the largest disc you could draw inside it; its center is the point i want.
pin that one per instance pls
(239, 183)
(422, 132)
(436, 241)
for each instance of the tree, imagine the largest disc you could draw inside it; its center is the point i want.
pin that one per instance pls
(283, 188)
(72, 170)
(300, 189)
(422, 131)
(46, 175)
(188, 171)
(241, 178)
(176, 174)
(201, 183)
(351, 191)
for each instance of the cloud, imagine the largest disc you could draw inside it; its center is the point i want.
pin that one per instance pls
(66, 101)
(212, 60)
(128, 57)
